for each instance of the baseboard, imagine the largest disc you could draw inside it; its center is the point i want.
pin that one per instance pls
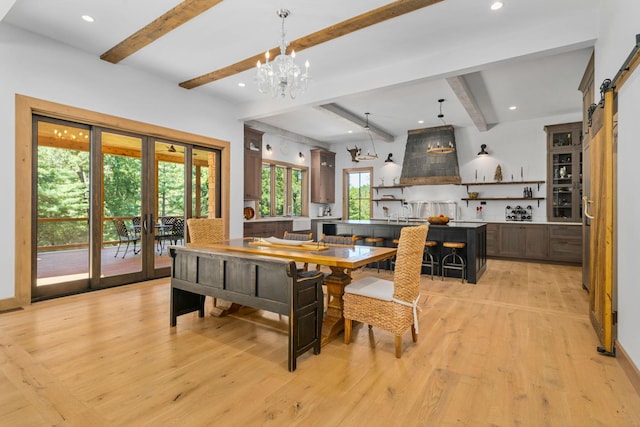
(629, 368)
(9, 304)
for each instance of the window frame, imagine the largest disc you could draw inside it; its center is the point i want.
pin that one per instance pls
(289, 167)
(345, 189)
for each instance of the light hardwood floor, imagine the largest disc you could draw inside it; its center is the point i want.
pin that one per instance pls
(517, 349)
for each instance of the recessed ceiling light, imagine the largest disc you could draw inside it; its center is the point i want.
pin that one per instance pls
(88, 18)
(349, 131)
(241, 84)
(496, 5)
(513, 107)
(421, 121)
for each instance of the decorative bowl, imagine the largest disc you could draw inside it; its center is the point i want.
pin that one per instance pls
(438, 220)
(473, 195)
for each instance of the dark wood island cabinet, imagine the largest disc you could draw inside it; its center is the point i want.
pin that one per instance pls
(474, 235)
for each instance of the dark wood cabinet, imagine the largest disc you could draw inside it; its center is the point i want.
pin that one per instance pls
(527, 241)
(564, 172)
(587, 88)
(252, 164)
(267, 228)
(323, 176)
(565, 243)
(539, 242)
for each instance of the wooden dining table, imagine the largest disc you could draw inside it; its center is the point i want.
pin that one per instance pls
(341, 260)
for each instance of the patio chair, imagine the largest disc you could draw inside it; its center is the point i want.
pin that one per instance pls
(136, 221)
(385, 304)
(125, 236)
(177, 231)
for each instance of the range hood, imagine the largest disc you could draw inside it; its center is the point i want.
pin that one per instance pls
(423, 168)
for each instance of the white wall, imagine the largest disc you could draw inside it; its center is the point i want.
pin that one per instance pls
(619, 25)
(40, 68)
(511, 145)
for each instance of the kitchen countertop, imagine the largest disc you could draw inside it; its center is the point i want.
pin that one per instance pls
(289, 218)
(517, 222)
(460, 224)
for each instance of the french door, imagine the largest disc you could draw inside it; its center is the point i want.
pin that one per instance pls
(107, 204)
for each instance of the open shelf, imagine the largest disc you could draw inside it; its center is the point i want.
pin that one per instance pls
(537, 199)
(467, 184)
(385, 187)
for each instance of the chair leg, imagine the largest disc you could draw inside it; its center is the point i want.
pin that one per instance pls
(347, 331)
(398, 346)
(117, 250)
(414, 336)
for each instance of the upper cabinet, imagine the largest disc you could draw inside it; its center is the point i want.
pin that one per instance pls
(564, 172)
(323, 176)
(252, 164)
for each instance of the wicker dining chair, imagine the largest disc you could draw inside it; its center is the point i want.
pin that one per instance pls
(210, 230)
(338, 240)
(385, 304)
(205, 230)
(299, 237)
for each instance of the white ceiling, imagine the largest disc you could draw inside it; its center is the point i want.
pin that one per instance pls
(531, 54)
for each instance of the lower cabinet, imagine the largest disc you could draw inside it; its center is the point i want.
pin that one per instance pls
(539, 242)
(267, 228)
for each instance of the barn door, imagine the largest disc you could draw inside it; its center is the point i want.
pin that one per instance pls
(599, 205)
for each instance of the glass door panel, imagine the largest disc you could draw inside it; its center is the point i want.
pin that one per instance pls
(122, 243)
(562, 139)
(205, 181)
(170, 200)
(61, 207)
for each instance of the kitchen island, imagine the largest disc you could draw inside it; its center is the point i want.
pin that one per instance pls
(473, 234)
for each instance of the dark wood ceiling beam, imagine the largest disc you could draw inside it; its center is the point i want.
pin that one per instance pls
(381, 14)
(171, 20)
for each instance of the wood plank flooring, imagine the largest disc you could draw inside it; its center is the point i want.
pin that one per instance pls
(517, 349)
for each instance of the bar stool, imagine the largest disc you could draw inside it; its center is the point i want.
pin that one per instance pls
(429, 259)
(374, 241)
(453, 260)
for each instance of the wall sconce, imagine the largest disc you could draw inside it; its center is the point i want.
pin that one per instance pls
(301, 156)
(268, 148)
(389, 158)
(483, 152)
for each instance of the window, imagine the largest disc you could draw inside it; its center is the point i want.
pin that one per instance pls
(357, 193)
(284, 190)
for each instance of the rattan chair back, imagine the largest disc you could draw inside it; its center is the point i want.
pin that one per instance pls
(205, 230)
(406, 276)
(298, 236)
(338, 240)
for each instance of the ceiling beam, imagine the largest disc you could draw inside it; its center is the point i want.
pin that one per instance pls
(292, 136)
(171, 20)
(357, 120)
(375, 16)
(466, 98)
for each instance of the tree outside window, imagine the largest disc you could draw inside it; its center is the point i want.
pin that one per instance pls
(283, 190)
(358, 193)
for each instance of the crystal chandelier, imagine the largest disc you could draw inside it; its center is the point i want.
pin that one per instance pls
(282, 76)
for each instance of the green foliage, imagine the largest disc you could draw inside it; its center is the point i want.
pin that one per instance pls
(265, 201)
(63, 192)
(359, 195)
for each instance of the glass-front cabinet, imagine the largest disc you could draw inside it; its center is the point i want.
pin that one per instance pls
(564, 172)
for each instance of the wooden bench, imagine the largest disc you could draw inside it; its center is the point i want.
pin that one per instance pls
(266, 283)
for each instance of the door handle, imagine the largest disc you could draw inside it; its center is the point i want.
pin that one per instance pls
(585, 204)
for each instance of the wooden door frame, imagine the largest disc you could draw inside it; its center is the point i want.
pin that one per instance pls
(25, 108)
